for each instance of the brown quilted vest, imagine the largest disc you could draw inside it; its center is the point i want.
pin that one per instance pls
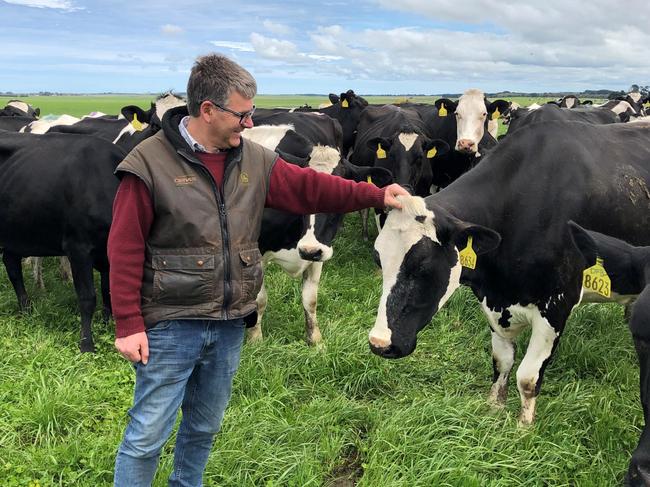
(201, 259)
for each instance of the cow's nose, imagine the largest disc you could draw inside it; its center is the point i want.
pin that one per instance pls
(378, 344)
(311, 254)
(465, 145)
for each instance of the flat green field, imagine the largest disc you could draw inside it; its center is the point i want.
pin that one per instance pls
(80, 105)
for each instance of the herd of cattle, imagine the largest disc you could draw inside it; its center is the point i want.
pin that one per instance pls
(517, 218)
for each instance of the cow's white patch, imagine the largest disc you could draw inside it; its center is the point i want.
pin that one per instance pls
(635, 96)
(309, 244)
(20, 105)
(42, 126)
(167, 102)
(470, 119)
(324, 158)
(401, 231)
(94, 115)
(534, 106)
(289, 260)
(407, 140)
(267, 135)
(128, 130)
(493, 128)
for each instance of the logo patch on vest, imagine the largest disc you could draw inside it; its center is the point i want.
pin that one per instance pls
(243, 178)
(184, 180)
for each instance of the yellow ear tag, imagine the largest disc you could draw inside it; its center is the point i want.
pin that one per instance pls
(345, 104)
(432, 153)
(467, 256)
(381, 153)
(136, 123)
(496, 114)
(442, 111)
(369, 180)
(595, 279)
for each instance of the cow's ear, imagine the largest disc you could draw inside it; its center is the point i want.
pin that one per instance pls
(380, 146)
(484, 239)
(585, 243)
(37, 112)
(334, 99)
(445, 106)
(435, 148)
(496, 108)
(132, 112)
(378, 176)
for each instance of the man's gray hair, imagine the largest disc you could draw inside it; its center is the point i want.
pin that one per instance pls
(214, 77)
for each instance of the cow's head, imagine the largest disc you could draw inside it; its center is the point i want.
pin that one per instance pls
(316, 243)
(347, 110)
(408, 157)
(472, 114)
(418, 249)
(17, 108)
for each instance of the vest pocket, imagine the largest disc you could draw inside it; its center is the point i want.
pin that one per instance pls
(183, 279)
(251, 273)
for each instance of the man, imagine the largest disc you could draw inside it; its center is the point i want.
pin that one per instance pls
(185, 267)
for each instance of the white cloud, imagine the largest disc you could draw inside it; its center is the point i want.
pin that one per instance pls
(169, 29)
(55, 4)
(276, 27)
(273, 48)
(237, 46)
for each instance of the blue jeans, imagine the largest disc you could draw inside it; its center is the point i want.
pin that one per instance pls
(191, 365)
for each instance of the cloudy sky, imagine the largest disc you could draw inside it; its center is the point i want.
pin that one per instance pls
(294, 46)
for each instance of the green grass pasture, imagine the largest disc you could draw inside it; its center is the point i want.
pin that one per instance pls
(334, 416)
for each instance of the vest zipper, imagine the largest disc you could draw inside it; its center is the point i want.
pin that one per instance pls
(225, 237)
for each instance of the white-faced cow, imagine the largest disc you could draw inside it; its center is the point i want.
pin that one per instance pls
(301, 244)
(628, 270)
(65, 210)
(510, 241)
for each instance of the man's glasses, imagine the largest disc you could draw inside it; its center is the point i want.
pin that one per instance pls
(243, 116)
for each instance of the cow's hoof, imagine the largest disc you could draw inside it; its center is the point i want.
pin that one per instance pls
(86, 345)
(254, 336)
(314, 338)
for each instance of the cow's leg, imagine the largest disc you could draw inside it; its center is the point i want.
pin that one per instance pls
(64, 269)
(107, 309)
(82, 277)
(255, 333)
(639, 470)
(503, 358)
(542, 343)
(37, 270)
(310, 281)
(364, 224)
(14, 268)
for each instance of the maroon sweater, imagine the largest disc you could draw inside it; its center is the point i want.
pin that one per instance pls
(292, 189)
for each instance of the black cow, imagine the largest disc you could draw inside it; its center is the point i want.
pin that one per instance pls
(510, 242)
(551, 112)
(65, 210)
(301, 244)
(628, 269)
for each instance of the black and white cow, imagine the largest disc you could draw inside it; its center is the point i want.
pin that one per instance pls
(17, 108)
(15, 123)
(628, 268)
(66, 209)
(513, 240)
(394, 138)
(301, 244)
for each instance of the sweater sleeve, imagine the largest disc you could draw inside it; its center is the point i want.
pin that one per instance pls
(305, 191)
(132, 219)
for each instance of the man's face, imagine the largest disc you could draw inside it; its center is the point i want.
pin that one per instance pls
(225, 127)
